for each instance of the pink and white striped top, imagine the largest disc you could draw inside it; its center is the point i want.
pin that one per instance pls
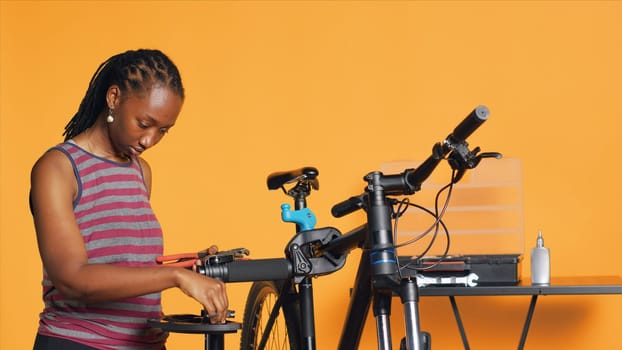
(119, 227)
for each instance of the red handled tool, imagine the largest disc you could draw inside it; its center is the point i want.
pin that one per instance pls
(188, 260)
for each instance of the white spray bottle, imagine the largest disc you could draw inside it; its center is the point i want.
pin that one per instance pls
(540, 263)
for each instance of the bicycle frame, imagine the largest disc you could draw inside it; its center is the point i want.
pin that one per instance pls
(377, 280)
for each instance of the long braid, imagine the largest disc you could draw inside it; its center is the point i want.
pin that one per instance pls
(135, 71)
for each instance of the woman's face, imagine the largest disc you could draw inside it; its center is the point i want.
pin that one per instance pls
(141, 120)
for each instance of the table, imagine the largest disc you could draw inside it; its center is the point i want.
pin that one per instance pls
(583, 285)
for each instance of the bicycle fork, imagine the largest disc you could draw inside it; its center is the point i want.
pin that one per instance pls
(409, 296)
(382, 313)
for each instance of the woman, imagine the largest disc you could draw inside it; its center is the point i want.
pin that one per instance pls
(96, 232)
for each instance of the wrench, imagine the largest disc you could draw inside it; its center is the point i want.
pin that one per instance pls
(469, 280)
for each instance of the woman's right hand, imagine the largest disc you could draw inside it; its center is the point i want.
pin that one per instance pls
(209, 292)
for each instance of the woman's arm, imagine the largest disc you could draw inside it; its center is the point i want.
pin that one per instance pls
(62, 250)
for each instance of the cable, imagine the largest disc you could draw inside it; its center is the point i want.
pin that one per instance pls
(438, 216)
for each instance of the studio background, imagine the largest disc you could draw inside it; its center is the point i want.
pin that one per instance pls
(343, 86)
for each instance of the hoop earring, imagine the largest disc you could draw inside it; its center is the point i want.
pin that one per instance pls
(110, 117)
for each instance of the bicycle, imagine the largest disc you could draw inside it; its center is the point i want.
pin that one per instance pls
(279, 309)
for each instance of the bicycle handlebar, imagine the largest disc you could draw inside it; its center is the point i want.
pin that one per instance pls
(349, 205)
(410, 180)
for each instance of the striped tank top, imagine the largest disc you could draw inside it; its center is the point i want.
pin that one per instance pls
(119, 227)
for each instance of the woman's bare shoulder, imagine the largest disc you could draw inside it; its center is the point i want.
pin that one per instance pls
(53, 171)
(53, 160)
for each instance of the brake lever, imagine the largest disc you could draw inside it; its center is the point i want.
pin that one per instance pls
(462, 159)
(496, 155)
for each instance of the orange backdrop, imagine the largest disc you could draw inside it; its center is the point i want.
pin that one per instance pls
(343, 86)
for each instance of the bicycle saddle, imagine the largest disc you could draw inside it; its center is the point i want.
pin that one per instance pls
(278, 179)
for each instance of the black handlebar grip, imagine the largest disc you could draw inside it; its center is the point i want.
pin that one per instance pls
(250, 270)
(478, 116)
(348, 206)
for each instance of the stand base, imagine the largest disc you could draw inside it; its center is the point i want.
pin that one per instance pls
(187, 323)
(194, 324)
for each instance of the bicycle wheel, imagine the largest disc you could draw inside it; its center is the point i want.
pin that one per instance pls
(285, 331)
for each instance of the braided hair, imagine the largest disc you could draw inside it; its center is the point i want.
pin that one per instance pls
(134, 71)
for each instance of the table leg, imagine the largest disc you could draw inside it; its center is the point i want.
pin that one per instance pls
(532, 307)
(454, 307)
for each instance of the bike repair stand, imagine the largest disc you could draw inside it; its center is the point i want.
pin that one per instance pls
(193, 324)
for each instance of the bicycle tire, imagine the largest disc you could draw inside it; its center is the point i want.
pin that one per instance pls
(285, 334)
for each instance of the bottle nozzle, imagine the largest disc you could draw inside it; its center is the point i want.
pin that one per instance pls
(540, 240)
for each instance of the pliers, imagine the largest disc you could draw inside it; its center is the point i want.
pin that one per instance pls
(186, 260)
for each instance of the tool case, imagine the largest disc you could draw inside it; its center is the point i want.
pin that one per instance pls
(491, 270)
